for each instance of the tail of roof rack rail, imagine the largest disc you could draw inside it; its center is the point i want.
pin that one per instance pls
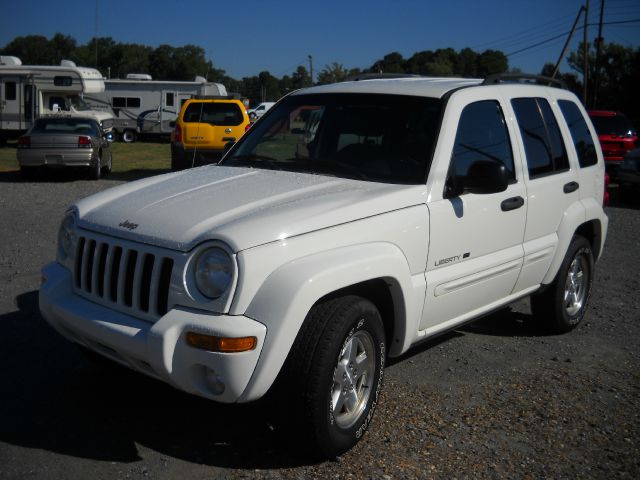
(379, 76)
(524, 78)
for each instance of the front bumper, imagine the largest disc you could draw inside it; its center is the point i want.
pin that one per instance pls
(156, 349)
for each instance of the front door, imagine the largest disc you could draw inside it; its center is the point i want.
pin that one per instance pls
(475, 250)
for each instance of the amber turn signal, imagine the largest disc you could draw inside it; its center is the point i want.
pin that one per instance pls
(221, 344)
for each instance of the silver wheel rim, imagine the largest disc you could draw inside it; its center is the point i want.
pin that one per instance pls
(352, 379)
(575, 289)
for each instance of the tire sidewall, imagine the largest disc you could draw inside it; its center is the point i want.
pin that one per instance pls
(340, 439)
(579, 247)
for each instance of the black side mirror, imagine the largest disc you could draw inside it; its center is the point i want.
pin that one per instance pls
(486, 176)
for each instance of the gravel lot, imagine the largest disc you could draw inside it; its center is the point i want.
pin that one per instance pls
(496, 399)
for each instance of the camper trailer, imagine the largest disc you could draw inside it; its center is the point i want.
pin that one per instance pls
(30, 91)
(141, 105)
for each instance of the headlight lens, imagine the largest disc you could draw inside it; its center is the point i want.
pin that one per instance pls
(67, 236)
(213, 272)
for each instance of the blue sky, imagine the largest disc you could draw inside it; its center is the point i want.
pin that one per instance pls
(248, 36)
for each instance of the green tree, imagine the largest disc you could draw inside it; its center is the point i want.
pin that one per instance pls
(490, 62)
(31, 50)
(390, 63)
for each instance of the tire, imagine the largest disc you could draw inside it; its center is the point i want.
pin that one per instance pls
(333, 375)
(106, 169)
(129, 136)
(177, 160)
(95, 170)
(563, 304)
(28, 173)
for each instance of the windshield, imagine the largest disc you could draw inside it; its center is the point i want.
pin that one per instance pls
(78, 103)
(613, 125)
(374, 137)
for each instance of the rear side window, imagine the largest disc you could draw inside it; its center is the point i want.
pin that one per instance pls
(580, 133)
(543, 145)
(10, 91)
(482, 135)
(125, 102)
(214, 113)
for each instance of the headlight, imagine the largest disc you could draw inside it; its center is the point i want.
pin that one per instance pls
(67, 236)
(213, 272)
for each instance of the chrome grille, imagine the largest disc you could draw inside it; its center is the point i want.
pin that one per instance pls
(123, 276)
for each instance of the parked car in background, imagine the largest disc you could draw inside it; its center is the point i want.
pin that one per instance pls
(67, 141)
(629, 174)
(256, 113)
(617, 137)
(205, 126)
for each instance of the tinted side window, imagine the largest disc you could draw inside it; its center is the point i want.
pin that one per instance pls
(119, 102)
(482, 135)
(580, 134)
(10, 91)
(543, 143)
(133, 102)
(169, 100)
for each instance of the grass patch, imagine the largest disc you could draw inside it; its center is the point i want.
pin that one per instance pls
(127, 157)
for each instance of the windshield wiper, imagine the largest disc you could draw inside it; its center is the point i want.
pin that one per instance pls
(254, 160)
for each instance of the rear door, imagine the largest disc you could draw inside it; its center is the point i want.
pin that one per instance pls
(552, 185)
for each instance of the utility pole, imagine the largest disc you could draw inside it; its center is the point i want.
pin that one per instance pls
(566, 44)
(95, 33)
(599, 42)
(586, 54)
(311, 69)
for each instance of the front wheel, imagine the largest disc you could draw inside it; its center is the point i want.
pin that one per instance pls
(336, 369)
(563, 304)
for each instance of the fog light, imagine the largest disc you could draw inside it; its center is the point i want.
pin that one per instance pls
(221, 344)
(214, 381)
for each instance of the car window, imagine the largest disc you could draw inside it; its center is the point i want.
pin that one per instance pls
(66, 125)
(482, 135)
(214, 113)
(580, 134)
(543, 145)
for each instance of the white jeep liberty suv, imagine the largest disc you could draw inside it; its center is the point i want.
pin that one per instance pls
(351, 222)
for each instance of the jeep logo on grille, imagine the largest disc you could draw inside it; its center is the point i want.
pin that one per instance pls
(128, 225)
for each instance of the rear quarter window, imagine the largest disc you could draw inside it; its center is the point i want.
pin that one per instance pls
(543, 145)
(580, 134)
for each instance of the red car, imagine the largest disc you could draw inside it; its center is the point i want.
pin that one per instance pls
(617, 137)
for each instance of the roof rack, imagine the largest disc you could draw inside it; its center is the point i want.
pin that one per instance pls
(378, 76)
(497, 78)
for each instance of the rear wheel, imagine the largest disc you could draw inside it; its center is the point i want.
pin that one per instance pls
(129, 136)
(96, 168)
(335, 370)
(107, 168)
(563, 304)
(28, 173)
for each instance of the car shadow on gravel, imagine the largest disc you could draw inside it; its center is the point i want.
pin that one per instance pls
(53, 398)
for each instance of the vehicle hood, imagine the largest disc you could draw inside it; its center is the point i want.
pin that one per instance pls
(242, 207)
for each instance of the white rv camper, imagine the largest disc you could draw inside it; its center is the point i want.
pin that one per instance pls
(30, 91)
(142, 105)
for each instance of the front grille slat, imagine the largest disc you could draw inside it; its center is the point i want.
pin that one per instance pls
(130, 278)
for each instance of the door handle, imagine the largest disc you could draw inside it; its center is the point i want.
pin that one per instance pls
(571, 187)
(512, 203)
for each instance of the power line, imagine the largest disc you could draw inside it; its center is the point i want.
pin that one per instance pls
(555, 37)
